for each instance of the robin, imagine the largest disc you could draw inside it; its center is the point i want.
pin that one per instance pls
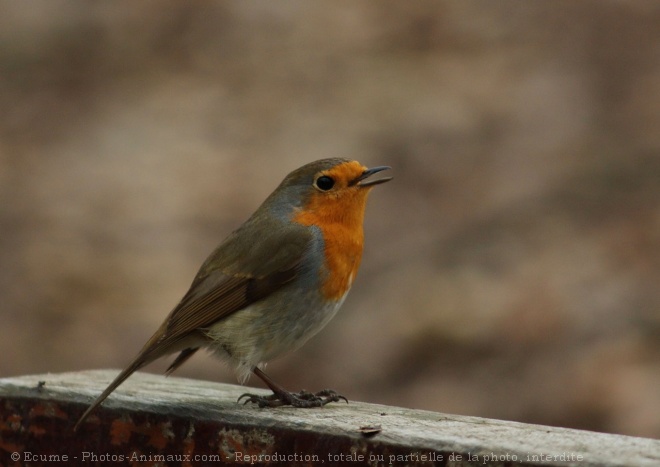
(273, 283)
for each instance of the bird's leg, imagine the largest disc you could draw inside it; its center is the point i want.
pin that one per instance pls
(281, 396)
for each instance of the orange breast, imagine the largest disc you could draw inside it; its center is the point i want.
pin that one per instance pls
(340, 220)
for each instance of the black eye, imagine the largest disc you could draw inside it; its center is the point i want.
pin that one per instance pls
(324, 183)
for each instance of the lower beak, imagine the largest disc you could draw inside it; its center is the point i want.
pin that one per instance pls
(360, 181)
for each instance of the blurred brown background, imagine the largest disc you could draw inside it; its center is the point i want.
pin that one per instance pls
(511, 269)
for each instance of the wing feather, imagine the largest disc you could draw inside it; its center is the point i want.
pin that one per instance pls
(225, 283)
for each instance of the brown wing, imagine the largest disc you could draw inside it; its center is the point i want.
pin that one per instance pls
(235, 275)
(234, 294)
(220, 296)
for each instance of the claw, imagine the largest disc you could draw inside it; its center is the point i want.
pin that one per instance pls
(331, 396)
(261, 401)
(302, 399)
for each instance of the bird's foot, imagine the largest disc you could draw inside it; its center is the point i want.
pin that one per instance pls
(302, 399)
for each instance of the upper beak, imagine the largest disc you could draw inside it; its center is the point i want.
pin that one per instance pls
(368, 173)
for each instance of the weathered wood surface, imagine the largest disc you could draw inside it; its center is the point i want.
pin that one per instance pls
(153, 420)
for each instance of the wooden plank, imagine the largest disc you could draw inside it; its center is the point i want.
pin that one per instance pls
(153, 420)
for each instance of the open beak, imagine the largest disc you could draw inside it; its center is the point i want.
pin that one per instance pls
(360, 181)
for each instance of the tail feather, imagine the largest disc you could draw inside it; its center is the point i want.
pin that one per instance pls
(153, 349)
(181, 359)
(138, 363)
